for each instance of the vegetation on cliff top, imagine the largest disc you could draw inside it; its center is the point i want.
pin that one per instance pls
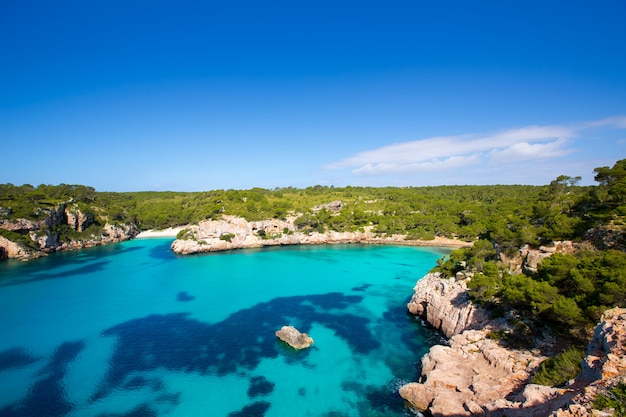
(569, 292)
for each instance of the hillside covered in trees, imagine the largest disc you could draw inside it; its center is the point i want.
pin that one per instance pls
(507, 215)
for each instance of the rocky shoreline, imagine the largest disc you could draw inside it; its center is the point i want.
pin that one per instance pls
(41, 238)
(475, 375)
(233, 232)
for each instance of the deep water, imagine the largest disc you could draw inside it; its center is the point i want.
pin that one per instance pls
(131, 330)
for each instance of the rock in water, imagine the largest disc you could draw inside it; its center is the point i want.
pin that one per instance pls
(294, 338)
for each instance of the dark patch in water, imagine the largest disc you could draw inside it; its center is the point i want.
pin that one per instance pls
(88, 261)
(184, 297)
(143, 410)
(259, 385)
(302, 391)
(162, 251)
(384, 401)
(46, 397)
(256, 409)
(361, 287)
(177, 342)
(15, 358)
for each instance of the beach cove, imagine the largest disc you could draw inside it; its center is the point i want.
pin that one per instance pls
(132, 329)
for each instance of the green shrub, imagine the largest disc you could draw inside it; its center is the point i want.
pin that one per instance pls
(183, 234)
(560, 369)
(615, 399)
(228, 237)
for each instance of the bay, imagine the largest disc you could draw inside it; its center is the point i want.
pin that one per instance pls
(133, 330)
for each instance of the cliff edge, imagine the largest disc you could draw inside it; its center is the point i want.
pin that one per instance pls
(475, 375)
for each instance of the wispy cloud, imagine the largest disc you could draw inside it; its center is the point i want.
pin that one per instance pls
(442, 153)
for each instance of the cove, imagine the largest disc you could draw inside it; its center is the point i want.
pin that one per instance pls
(133, 330)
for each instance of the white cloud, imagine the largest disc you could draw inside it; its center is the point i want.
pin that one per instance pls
(417, 167)
(446, 153)
(524, 151)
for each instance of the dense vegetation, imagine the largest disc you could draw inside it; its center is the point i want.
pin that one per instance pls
(614, 399)
(569, 292)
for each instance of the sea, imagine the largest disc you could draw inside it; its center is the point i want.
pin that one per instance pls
(133, 330)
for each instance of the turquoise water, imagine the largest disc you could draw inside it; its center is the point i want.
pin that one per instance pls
(133, 330)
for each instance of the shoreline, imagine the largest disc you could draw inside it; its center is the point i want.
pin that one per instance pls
(169, 232)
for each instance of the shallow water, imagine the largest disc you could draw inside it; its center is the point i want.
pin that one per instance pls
(133, 330)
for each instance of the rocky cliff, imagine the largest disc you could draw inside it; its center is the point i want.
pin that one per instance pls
(30, 239)
(445, 305)
(233, 232)
(475, 375)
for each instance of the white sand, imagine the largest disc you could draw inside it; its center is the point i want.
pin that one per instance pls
(169, 232)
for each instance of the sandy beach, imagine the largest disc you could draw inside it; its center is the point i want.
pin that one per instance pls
(169, 232)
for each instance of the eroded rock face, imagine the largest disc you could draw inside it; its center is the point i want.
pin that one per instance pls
(294, 338)
(11, 250)
(214, 235)
(477, 376)
(79, 220)
(19, 225)
(443, 302)
(471, 377)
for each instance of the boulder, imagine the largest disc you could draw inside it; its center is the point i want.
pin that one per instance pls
(294, 338)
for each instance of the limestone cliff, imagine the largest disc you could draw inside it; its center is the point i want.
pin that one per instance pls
(477, 376)
(45, 239)
(445, 305)
(233, 232)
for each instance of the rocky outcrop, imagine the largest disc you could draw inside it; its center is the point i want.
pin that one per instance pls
(333, 206)
(233, 232)
(294, 338)
(604, 365)
(444, 303)
(11, 250)
(43, 232)
(19, 225)
(528, 259)
(79, 220)
(475, 375)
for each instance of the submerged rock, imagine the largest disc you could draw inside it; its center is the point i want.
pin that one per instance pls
(294, 338)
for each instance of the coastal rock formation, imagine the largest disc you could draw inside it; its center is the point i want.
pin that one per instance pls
(79, 220)
(47, 240)
(473, 376)
(603, 367)
(444, 303)
(528, 259)
(19, 225)
(294, 338)
(11, 250)
(477, 376)
(231, 232)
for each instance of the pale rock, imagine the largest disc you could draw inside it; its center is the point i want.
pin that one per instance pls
(444, 303)
(11, 250)
(333, 206)
(78, 220)
(46, 240)
(294, 338)
(19, 225)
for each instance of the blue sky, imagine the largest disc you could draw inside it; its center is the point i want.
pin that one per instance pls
(127, 96)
